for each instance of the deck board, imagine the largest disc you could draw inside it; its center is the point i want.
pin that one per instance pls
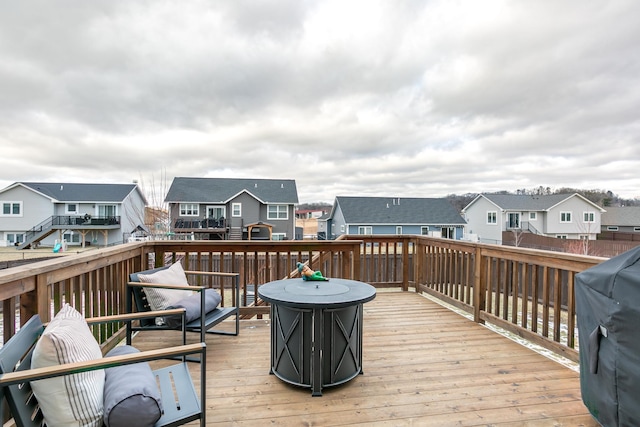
(424, 365)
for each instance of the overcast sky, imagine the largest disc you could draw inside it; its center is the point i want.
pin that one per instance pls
(380, 98)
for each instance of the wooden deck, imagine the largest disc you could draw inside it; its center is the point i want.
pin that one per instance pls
(424, 365)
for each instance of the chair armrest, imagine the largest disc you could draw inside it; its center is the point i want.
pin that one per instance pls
(106, 362)
(135, 316)
(212, 273)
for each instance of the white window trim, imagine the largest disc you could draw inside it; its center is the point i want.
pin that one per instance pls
(11, 203)
(362, 229)
(562, 236)
(570, 214)
(66, 208)
(590, 214)
(14, 237)
(183, 208)
(612, 228)
(398, 229)
(492, 217)
(533, 216)
(424, 230)
(278, 212)
(236, 210)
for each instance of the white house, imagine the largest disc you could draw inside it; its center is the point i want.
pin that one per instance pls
(45, 213)
(566, 216)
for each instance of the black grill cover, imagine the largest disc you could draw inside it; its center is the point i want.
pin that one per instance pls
(608, 311)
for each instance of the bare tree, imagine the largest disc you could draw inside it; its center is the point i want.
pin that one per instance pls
(157, 210)
(518, 235)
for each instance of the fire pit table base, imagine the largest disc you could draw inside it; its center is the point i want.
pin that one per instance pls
(316, 334)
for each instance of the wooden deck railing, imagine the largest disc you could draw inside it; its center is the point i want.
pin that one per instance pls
(527, 292)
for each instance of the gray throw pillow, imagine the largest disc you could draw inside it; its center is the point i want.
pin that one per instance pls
(131, 394)
(191, 304)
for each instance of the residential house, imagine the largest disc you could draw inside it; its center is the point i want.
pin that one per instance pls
(394, 215)
(621, 220)
(566, 216)
(312, 213)
(46, 213)
(323, 227)
(233, 208)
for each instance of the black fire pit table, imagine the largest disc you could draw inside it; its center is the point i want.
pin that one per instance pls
(316, 330)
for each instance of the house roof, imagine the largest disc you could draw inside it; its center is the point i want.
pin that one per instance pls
(222, 190)
(397, 210)
(532, 203)
(622, 216)
(78, 193)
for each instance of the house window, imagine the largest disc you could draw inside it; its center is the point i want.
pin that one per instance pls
(279, 236)
(71, 208)
(342, 228)
(561, 236)
(565, 216)
(424, 230)
(71, 237)
(636, 229)
(365, 229)
(533, 216)
(492, 217)
(14, 238)
(612, 228)
(11, 208)
(236, 210)
(589, 217)
(107, 211)
(399, 229)
(277, 212)
(189, 209)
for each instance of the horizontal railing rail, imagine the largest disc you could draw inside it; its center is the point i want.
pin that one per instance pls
(527, 292)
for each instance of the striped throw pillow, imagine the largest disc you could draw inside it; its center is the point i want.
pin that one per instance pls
(160, 299)
(71, 400)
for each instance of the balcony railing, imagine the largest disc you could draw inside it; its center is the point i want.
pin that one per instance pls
(527, 292)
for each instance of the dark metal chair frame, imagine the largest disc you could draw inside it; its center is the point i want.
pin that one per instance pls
(202, 325)
(174, 381)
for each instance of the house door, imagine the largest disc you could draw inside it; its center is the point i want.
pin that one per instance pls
(215, 212)
(448, 232)
(514, 220)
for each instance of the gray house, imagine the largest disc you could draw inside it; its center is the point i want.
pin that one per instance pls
(394, 215)
(565, 216)
(233, 208)
(46, 213)
(621, 219)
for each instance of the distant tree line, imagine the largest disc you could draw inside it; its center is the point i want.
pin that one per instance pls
(602, 198)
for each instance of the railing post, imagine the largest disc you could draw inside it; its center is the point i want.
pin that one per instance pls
(405, 264)
(41, 297)
(479, 286)
(28, 306)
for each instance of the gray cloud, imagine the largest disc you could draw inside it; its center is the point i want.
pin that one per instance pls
(371, 97)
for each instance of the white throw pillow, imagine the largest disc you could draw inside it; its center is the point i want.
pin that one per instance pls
(70, 400)
(160, 299)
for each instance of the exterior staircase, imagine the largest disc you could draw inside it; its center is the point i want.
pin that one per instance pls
(37, 233)
(235, 233)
